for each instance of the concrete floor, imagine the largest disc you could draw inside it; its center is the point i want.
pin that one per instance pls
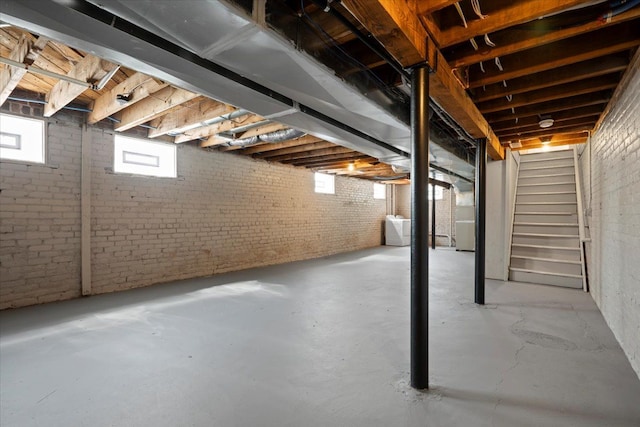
(316, 343)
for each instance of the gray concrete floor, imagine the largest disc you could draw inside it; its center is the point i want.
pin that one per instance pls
(316, 343)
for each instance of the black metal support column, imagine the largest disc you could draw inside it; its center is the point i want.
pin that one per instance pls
(420, 227)
(481, 168)
(433, 215)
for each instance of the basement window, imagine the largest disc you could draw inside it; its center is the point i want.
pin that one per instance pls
(439, 192)
(142, 157)
(325, 183)
(379, 191)
(21, 139)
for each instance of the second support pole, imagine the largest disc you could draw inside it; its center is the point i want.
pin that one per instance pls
(420, 228)
(481, 168)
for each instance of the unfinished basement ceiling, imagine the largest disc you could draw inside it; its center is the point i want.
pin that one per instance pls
(294, 64)
(524, 64)
(167, 111)
(270, 77)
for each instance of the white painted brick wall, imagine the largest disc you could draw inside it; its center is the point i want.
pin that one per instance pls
(224, 212)
(40, 223)
(443, 209)
(612, 166)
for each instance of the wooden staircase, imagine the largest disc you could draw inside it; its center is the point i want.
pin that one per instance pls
(546, 246)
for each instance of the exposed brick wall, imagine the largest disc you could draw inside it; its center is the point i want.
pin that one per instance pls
(40, 219)
(443, 207)
(224, 212)
(611, 172)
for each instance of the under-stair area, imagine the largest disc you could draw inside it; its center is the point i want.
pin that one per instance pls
(546, 246)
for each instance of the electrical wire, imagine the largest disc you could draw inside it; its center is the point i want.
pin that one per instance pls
(476, 8)
(498, 64)
(488, 41)
(459, 9)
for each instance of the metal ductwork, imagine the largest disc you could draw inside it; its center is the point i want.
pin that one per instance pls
(271, 137)
(304, 84)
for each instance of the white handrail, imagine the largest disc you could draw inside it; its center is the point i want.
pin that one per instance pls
(580, 217)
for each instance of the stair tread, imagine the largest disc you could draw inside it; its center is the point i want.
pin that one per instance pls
(547, 175)
(548, 273)
(550, 224)
(546, 203)
(561, 236)
(547, 167)
(562, 248)
(545, 193)
(524, 159)
(561, 261)
(546, 213)
(548, 183)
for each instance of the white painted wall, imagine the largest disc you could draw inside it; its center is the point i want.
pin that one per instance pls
(610, 167)
(501, 186)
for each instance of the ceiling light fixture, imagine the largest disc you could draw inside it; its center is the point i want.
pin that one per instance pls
(546, 122)
(545, 140)
(351, 167)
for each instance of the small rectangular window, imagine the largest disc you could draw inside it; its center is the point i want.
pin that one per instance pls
(325, 183)
(142, 157)
(21, 139)
(379, 191)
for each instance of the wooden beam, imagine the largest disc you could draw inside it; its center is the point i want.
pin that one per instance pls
(558, 117)
(261, 130)
(581, 87)
(205, 109)
(151, 107)
(513, 13)
(565, 52)
(432, 27)
(305, 140)
(225, 126)
(24, 52)
(552, 106)
(447, 91)
(318, 161)
(213, 140)
(567, 74)
(139, 86)
(307, 155)
(395, 26)
(426, 7)
(539, 144)
(520, 39)
(337, 164)
(89, 69)
(552, 132)
(402, 34)
(560, 137)
(526, 131)
(267, 155)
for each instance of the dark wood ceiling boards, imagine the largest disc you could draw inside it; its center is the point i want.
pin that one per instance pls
(525, 60)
